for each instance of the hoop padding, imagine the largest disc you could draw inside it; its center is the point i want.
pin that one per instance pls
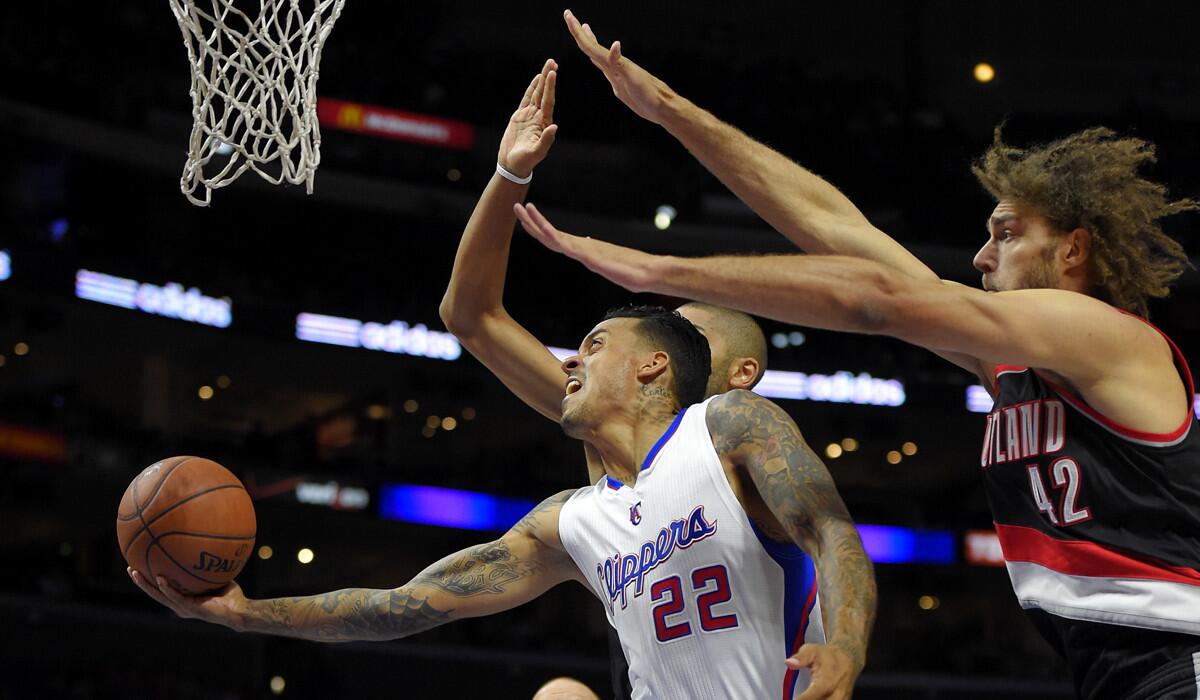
(254, 90)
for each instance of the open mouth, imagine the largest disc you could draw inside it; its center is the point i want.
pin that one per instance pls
(573, 385)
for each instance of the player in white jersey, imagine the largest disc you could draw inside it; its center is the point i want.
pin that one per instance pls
(473, 309)
(686, 579)
(701, 577)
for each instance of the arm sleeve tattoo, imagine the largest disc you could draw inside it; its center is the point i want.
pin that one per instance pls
(793, 481)
(479, 580)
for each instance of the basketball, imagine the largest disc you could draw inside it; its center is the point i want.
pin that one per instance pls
(189, 520)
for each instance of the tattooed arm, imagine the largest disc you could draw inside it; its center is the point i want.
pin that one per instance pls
(757, 436)
(482, 580)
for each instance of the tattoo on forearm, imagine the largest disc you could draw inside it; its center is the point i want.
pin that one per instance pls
(488, 568)
(362, 614)
(797, 487)
(351, 614)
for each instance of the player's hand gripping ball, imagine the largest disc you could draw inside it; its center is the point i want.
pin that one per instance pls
(189, 520)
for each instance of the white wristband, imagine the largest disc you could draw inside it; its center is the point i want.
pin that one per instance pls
(513, 178)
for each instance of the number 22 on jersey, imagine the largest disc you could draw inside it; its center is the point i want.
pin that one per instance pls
(711, 586)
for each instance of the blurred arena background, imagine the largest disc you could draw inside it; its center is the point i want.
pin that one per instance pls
(134, 326)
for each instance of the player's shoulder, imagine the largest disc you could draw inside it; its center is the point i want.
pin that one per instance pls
(1077, 305)
(737, 416)
(545, 514)
(738, 402)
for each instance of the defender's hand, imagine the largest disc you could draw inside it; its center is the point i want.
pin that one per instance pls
(531, 128)
(830, 668)
(645, 94)
(226, 606)
(632, 269)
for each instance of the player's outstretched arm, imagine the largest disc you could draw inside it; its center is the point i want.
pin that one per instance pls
(481, 580)
(759, 437)
(473, 308)
(1097, 349)
(805, 208)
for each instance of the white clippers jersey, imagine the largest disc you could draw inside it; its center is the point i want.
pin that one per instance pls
(704, 604)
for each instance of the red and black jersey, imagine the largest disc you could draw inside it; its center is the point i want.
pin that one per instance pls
(1097, 522)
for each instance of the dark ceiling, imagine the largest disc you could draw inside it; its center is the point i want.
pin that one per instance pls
(876, 96)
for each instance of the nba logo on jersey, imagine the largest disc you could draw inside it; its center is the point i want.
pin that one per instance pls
(635, 513)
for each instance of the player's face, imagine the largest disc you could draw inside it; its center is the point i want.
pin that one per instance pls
(718, 378)
(602, 378)
(1020, 251)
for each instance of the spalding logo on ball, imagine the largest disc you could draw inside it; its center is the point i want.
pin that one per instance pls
(189, 520)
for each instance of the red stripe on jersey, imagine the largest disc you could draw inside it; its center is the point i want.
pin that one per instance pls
(1001, 369)
(789, 678)
(1183, 365)
(1078, 402)
(1081, 405)
(1077, 558)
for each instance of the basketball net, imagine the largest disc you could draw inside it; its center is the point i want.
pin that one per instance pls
(254, 91)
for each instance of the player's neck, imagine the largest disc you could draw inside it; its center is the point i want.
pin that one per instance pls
(624, 443)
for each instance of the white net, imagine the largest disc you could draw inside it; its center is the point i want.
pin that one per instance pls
(254, 90)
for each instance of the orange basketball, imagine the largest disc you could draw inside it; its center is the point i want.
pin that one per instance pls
(189, 520)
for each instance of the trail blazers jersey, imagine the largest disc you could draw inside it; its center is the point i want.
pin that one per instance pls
(1097, 522)
(705, 606)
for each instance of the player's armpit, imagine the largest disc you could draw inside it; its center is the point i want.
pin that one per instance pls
(760, 437)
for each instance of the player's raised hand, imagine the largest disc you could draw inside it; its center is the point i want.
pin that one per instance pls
(224, 607)
(624, 266)
(831, 671)
(531, 128)
(645, 94)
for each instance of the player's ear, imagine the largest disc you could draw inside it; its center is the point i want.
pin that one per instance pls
(1079, 247)
(744, 372)
(653, 367)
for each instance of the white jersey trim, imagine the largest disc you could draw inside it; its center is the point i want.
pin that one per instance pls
(1144, 603)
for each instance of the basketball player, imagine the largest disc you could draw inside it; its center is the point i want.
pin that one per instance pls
(698, 599)
(1091, 457)
(473, 309)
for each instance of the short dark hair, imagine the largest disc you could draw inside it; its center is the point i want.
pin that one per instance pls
(691, 359)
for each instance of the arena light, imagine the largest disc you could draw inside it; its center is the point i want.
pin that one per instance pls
(663, 216)
(469, 510)
(395, 124)
(395, 337)
(5, 265)
(978, 399)
(170, 300)
(784, 340)
(840, 387)
(333, 495)
(982, 548)
(24, 443)
(887, 544)
(472, 510)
